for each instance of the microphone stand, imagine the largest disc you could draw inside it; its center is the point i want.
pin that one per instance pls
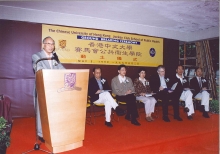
(37, 144)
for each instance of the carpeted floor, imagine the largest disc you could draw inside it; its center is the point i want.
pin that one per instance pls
(199, 136)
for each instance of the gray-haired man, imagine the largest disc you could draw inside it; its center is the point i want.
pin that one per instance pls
(48, 46)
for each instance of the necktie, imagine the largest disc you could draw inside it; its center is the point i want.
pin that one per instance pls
(200, 82)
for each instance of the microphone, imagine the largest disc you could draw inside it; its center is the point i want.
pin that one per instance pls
(55, 57)
(41, 60)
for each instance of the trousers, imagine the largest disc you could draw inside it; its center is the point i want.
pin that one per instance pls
(166, 97)
(109, 103)
(204, 96)
(130, 100)
(149, 103)
(187, 97)
(39, 127)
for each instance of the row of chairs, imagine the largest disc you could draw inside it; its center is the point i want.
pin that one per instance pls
(92, 114)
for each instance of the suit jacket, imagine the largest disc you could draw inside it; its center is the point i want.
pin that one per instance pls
(44, 64)
(179, 88)
(121, 88)
(155, 82)
(94, 87)
(194, 84)
(140, 88)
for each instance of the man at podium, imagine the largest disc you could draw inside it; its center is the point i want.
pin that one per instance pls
(45, 59)
(99, 93)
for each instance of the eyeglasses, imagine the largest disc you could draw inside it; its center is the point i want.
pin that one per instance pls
(50, 44)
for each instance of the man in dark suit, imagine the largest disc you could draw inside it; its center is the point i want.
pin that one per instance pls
(200, 85)
(160, 84)
(98, 92)
(182, 91)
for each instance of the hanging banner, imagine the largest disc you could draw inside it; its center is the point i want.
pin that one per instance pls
(89, 46)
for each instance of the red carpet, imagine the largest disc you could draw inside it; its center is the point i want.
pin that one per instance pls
(199, 136)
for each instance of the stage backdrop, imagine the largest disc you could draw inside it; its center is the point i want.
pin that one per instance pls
(19, 40)
(89, 46)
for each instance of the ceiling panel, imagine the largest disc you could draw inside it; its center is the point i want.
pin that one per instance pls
(180, 16)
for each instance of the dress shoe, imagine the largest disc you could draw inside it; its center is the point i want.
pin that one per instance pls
(178, 118)
(127, 118)
(120, 112)
(190, 117)
(205, 114)
(108, 124)
(41, 139)
(135, 122)
(148, 119)
(152, 119)
(186, 109)
(166, 119)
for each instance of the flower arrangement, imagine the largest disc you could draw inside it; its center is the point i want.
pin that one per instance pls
(126, 81)
(55, 63)
(4, 134)
(214, 104)
(184, 81)
(203, 80)
(167, 79)
(103, 81)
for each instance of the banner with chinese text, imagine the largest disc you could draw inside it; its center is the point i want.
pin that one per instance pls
(90, 46)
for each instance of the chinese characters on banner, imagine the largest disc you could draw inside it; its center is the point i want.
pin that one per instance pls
(88, 46)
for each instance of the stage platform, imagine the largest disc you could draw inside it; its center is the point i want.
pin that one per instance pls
(199, 136)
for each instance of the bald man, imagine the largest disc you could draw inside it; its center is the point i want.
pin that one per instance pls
(48, 46)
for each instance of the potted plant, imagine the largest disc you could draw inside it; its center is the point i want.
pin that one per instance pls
(4, 135)
(214, 104)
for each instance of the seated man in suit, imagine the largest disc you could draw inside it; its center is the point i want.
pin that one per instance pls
(200, 85)
(159, 84)
(123, 87)
(182, 91)
(97, 85)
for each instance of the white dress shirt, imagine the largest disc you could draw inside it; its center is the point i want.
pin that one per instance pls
(100, 84)
(162, 82)
(121, 79)
(143, 81)
(181, 78)
(199, 81)
(49, 56)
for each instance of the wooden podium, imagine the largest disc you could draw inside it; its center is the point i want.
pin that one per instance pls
(62, 97)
